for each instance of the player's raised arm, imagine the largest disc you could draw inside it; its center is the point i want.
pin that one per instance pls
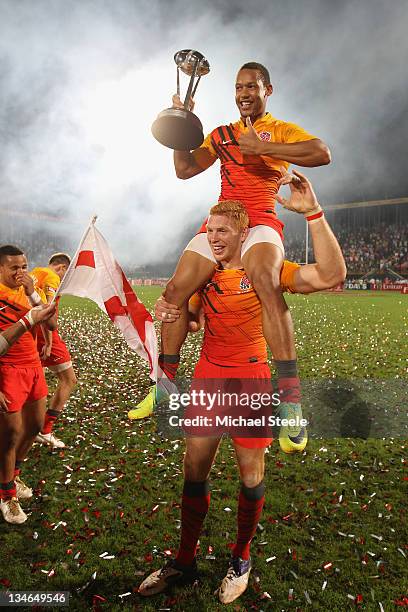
(330, 268)
(185, 162)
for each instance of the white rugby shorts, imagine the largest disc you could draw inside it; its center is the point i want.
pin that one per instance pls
(260, 233)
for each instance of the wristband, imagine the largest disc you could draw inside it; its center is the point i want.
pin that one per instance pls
(35, 299)
(317, 215)
(27, 321)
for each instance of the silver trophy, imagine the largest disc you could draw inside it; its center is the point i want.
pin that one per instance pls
(179, 128)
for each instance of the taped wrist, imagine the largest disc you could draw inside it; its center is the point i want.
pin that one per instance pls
(27, 321)
(34, 299)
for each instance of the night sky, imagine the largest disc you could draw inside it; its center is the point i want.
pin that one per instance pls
(82, 81)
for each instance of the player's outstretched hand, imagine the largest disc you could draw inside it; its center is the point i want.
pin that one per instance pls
(249, 141)
(43, 312)
(302, 197)
(177, 103)
(166, 312)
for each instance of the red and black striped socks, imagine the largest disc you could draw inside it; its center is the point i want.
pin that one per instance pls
(194, 507)
(288, 381)
(7, 490)
(50, 418)
(250, 505)
(169, 364)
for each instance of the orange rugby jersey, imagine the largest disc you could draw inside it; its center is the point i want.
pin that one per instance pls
(233, 317)
(47, 280)
(14, 304)
(251, 179)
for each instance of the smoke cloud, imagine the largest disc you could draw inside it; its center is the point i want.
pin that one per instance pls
(82, 82)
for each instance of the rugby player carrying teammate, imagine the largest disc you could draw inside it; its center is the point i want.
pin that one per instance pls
(22, 382)
(251, 152)
(232, 338)
(53, 350)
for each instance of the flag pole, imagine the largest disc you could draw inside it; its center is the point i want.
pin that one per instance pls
(91, 223)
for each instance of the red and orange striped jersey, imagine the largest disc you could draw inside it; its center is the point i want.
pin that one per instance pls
(251, 179)
(233, 317)
(14, 304)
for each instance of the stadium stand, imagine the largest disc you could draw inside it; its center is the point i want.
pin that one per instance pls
(373, 236)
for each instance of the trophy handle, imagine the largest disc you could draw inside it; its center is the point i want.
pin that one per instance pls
(178, 81)
(190, 85)
(195, 88)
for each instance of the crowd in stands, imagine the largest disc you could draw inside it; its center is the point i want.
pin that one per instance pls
(364, 249)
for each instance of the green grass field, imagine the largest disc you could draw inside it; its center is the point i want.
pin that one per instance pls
(333, 535)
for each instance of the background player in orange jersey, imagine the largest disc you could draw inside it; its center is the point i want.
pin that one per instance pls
(234, 348)
(22, 382)
(53, 350)
(251, 152)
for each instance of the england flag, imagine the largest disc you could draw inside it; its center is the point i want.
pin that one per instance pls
(95, 274)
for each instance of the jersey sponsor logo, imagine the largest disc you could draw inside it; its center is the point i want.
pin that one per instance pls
(244, 284)
(265, 136)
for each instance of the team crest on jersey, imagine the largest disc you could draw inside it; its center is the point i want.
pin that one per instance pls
(244, 283)
(265, 136)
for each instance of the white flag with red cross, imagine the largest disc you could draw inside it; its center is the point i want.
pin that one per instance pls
(95, 274)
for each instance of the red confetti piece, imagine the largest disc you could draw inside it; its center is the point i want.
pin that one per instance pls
(148, 558)
(402, 602)
(359, 599)
(5, 582)
(328, 565)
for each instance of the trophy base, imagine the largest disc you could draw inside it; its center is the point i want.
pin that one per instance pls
(178, 129)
